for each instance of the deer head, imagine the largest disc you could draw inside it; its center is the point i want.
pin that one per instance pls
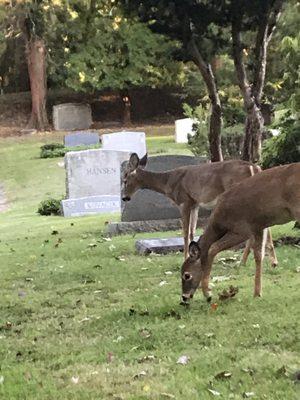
(191, 272)
(130, 181)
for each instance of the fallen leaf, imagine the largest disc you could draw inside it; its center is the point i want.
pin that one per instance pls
(223, 375)
(146, 358)
(75, 379)
(140, 375)
(227, 294)
(118, 339)
(110, 357)
(214, 306)
(248, 371)
(162, 283)
(183, 360)
(145, 333)
(168, 395)
(84, 320)
(220, 278)
(120, 258)
(214, 392)
(246, 395)
(281, 372)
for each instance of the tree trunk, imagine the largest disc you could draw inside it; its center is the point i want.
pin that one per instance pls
(126, 108)
(215, 131)
(216, 110)
(253, 135)
(36, 60)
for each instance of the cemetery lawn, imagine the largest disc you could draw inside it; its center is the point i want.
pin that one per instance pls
(84, 317)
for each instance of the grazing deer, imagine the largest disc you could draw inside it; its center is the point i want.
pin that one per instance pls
(189, 188)
(244, 211)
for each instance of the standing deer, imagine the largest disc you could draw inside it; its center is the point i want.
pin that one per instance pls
(244, 211)
(189, 188)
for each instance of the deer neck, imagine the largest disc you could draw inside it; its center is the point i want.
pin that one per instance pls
(157, 181)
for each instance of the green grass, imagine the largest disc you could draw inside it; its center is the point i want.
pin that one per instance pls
(76, 307)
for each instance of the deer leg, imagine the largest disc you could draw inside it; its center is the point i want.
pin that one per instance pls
(229, 240)
(246, 252)
(185, 216)
(193, 222)
(259, 253)
(271, 250)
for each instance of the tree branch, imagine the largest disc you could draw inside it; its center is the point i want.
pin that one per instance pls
(264, 35)
(237, 49)
(206, 71)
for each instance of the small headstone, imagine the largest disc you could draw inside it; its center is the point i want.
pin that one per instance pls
(183, 127)
(82, 138)
(133, 142)
(91, 205)
(71, 116)
(94, 172)
(160, 246)
(149, 205)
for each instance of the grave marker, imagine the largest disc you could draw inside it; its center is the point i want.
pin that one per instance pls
(93, 181)
(133, 142)
(183, 127)
(71, 116)
(81, 138)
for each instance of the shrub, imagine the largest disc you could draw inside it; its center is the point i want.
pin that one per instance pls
(232, 136)
(50, 207)
(284, 148)
(199, 142)
(52, 150)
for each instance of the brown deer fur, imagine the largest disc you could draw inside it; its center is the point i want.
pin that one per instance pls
(242, 212)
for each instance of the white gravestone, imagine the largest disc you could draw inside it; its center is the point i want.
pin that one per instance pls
(93, 181)
(133, 142)
(183, 127)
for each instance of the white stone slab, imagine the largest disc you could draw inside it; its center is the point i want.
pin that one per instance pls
(183, 127)
(91, 205)
(94, 172)
(133, 142)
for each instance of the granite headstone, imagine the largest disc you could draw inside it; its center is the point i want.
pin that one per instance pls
(133, 142)
(93, 181)
(71, 116)
(81, 138)
(90, 205)
(149, 205)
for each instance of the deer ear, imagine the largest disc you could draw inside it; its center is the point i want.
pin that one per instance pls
(194, 250)
(133, 162)
(143, 161)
